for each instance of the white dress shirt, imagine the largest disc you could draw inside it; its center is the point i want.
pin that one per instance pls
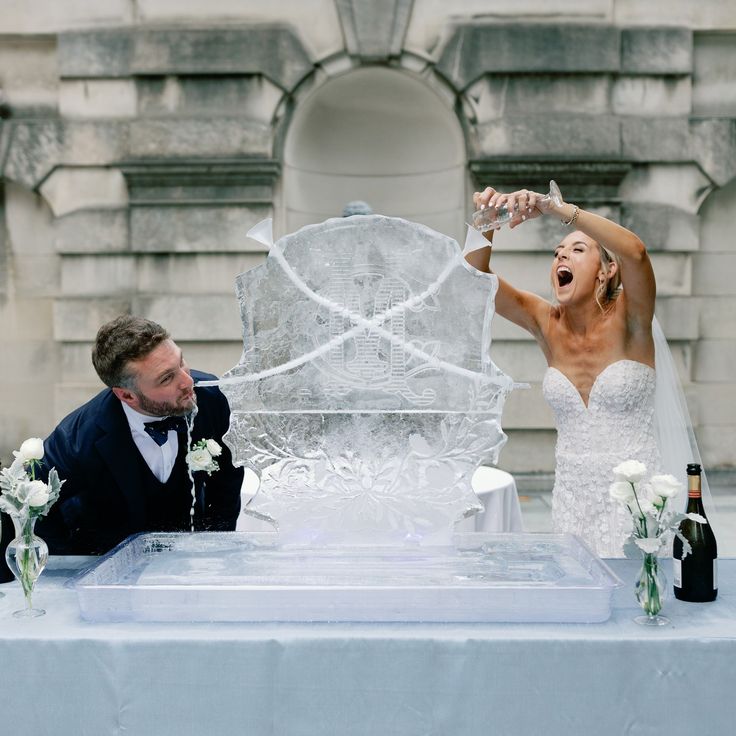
(159, 458)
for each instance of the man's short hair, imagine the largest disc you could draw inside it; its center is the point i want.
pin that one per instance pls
(124, 339)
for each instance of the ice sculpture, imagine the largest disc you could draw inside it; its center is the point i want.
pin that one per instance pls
(365, 397)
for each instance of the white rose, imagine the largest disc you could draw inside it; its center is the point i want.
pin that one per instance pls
(199, 459)
(622, 491)
(39, 494)
(31, 449)
(630, 470)
(665, 486)
(213, 448)
(650, 545)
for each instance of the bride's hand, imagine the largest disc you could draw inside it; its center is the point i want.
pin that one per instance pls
(526, 204)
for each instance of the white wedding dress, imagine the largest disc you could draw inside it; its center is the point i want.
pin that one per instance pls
(616, 425)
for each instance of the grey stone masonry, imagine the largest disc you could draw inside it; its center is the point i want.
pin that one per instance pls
(375, 30)
(656, 50)
(273, 51)
(473, 50)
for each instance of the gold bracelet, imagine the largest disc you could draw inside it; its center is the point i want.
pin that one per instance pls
(573, 219)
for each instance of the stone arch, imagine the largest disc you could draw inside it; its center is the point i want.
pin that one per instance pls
(376, 134)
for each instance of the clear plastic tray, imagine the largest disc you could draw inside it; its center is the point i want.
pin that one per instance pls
(242, 576)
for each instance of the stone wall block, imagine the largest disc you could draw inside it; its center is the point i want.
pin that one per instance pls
(656, 139)
(651, 96)
(376, 30)
(714, 93)
(76, 363)
(194, 274)
(98, 275)
(248, 97)
(96, 53)
(522, 360)
(714, 274)
(527, 409)
(716, 446)
(718, 317)
(198, 137)
(206, 318)
(547, 135)
(36, 275)
(716, 402)
(272, 50)
(91, 231)
(98, 98)
(78, 319)
(679, 317)
(475, 49)
(714, 147)
(662, 227)
(529, 451)
(498, 95)
(715, 361)
(70, 189)
(70, 396)
(673, 272)
(33, 149)
(195, 228)
(657, 50)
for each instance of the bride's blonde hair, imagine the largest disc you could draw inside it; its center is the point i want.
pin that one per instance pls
(609, 289)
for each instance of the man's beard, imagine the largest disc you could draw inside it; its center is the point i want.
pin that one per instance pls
(164, 408)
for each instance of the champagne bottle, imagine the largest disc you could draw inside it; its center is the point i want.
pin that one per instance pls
(7, 534)
(695, 576)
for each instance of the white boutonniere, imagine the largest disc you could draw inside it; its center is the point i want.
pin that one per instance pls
(202, 454)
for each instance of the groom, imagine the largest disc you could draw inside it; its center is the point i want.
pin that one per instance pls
(122, 454)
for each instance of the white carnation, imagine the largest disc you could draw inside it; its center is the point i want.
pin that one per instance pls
(649, 545)
(665, 486)
(631, 470)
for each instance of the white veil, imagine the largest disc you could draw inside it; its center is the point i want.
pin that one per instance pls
(675, 435)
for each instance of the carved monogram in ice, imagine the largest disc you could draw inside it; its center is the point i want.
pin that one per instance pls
(365, 397)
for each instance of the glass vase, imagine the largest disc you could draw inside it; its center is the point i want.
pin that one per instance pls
(26, 556)
(651, 588)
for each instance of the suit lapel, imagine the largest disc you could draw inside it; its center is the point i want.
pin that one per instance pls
(118, 451)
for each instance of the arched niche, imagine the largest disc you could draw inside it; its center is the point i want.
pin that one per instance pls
(378, 135)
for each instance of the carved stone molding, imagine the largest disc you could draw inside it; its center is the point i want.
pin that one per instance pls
(273, 51)
(375, 30)
(190, 182)
(584, 181)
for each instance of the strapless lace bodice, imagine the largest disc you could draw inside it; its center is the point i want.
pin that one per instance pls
(617, 425)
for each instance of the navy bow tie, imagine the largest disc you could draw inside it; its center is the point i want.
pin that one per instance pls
(159, 430)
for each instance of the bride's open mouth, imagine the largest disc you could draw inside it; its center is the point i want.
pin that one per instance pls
(564, 276)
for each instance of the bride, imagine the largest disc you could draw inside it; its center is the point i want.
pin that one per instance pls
(597, 339)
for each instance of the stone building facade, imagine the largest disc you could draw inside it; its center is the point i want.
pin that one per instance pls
(140, 140)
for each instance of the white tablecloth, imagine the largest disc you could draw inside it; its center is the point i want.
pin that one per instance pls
(62, 676)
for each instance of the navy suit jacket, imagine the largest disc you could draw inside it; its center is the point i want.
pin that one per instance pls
(102, 500)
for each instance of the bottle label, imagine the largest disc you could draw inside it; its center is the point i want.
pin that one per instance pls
(677, 572)
(715, 573)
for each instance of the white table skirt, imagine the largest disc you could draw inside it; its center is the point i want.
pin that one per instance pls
(64, 676)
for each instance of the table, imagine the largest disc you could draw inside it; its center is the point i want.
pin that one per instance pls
(495, 488)
(64, 676)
